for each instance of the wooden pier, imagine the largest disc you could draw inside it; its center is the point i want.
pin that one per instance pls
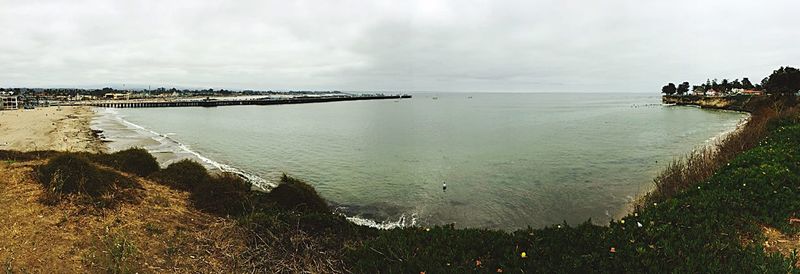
(216, 103)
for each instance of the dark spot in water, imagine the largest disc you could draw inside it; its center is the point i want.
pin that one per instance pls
(457, 203)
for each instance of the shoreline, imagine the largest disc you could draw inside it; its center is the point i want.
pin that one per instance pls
(712, 143)
(259, 183)
(122, 134)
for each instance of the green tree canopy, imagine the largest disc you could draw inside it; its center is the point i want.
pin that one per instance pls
(683, 88)
(746, 83)
(669, 89)
(785, 80)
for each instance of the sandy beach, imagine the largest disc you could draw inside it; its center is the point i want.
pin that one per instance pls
(50, 128)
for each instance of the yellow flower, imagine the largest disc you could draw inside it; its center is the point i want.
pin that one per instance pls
(523, 255)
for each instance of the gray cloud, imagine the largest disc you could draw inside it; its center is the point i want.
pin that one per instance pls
(542, 45)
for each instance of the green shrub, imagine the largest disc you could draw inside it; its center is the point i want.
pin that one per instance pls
(295, 194)
(184, 174)
(223, 194)
(135, 160)
(72, 174)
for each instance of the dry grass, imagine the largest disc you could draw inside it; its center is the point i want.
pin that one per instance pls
(702, 163)
(290, 252)
(161, 232)
(775, 241)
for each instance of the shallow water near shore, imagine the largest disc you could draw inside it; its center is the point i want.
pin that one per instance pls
(509, 160)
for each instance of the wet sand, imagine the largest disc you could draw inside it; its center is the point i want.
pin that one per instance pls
(49, 128)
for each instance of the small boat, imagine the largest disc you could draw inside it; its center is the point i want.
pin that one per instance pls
(435, 98)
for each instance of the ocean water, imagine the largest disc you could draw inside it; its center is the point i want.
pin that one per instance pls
(509, 160)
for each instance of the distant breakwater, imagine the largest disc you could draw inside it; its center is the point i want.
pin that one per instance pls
(216, 103)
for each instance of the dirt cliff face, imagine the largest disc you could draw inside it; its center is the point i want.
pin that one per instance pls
(739, 102)
(716, 102)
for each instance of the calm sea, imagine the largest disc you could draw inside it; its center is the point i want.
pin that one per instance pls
(509, 160)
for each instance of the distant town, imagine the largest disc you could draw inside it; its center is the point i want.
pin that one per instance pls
(784, 81)
(28, 98)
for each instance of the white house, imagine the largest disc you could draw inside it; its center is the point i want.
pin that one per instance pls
(713, 92)
(9, 102)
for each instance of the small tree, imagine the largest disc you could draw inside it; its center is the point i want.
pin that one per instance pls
(725, 86)
(669, 89)
(736, 84)
(683, 88)
(746, 83)
(783, 81)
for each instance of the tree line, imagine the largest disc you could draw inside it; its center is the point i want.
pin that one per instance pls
(785, 80)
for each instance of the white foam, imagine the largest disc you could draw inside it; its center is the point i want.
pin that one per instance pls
(401, 222)
(256, 181)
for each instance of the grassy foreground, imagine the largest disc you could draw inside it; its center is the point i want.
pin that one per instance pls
(131, 216)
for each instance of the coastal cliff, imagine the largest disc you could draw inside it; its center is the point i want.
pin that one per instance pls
(738, 103)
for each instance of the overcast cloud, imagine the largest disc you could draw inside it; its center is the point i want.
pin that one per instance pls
(426, 45)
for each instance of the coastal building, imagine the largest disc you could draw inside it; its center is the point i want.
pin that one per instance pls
(117, 96)
(751, 92)
(699, 91)
(82, 97)
(9, 102)
(713, 93)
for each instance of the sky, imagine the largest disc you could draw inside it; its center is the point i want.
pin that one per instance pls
(409, 45)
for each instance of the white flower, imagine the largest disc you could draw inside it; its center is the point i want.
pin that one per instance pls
(638, 224)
